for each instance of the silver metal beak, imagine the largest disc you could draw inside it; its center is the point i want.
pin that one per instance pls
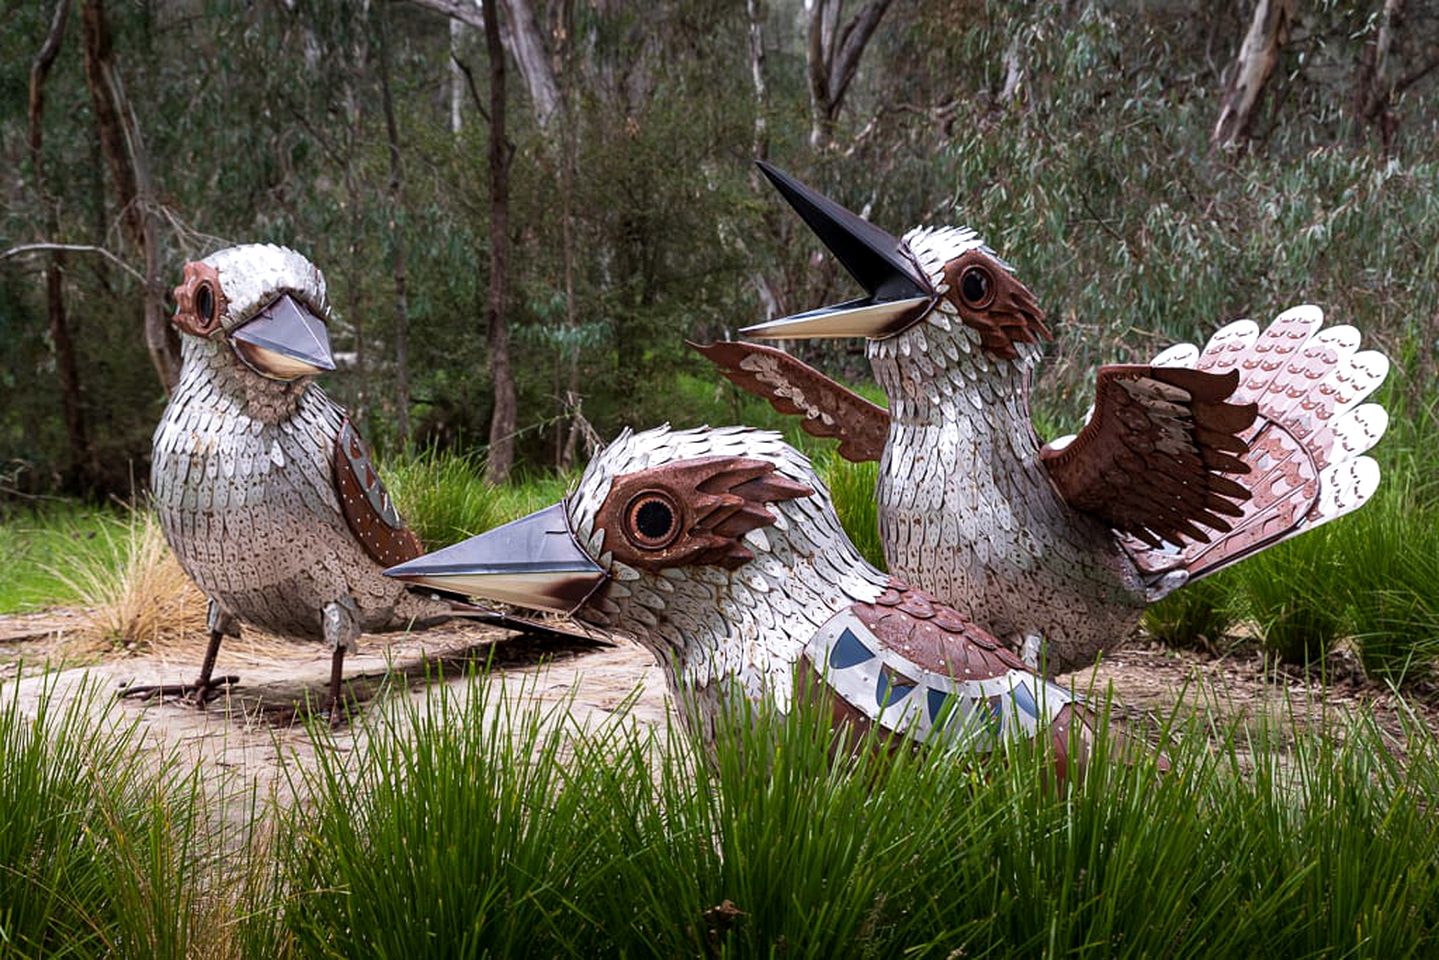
(285, 341)
(531, 562)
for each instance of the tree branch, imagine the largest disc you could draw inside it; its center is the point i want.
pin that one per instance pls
(26, 249)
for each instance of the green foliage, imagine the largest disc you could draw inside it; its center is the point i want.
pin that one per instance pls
(38, 546)
(852, 485)
(1197, 615)
(445, 497)
(482, 823)
(530, 837)
(102, 849)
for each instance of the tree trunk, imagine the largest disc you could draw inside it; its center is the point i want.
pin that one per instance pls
(80, 468)
(1374, 94)
(457, 76)
(130, 169)
(397, 245)
(1258, 55)
(832, 59)
(502, 422)
(520, 34)
(760, 144)
(528, 46)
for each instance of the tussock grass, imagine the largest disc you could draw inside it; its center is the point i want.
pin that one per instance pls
(475, 823)
(527, 837)
(852, 486)
(1198, 615)
(134, 593)
(445, 497)
(103, 844)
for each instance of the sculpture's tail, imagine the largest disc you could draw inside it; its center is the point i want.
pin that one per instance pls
(1305, 449)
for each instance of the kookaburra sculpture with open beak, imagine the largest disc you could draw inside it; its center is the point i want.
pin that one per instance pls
(1185, 465)
(720, 552)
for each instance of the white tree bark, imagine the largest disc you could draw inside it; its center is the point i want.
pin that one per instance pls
(457, 76)
(1258, 55)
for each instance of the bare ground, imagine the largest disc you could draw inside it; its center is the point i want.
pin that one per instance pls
(246, 739)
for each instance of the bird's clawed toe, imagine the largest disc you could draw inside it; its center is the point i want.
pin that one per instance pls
(198, 693)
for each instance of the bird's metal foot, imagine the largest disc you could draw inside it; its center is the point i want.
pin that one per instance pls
(198, 693)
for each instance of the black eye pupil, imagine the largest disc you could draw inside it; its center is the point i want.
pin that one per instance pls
(205, 303)
(653, 519)
(974, 285)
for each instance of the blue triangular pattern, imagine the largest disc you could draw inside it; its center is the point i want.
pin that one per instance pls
(937, 700)
(887, 692)
(1025, 699)
(848, 651)
(996, 714)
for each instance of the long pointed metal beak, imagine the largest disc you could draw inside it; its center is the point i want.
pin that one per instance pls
(531, 562)
(285, 341)
(899, 294)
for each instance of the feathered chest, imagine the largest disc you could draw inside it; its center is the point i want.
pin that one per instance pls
(210, 455)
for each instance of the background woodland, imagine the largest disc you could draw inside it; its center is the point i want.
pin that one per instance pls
(522, 225)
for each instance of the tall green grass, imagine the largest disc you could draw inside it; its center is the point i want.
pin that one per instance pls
(103, 842)
(469, 822)
(445, 497)
(459, 833)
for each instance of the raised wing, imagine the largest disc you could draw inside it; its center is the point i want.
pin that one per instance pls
(1307, 446)
(830, 409)
(366, 504)
(1153, 458)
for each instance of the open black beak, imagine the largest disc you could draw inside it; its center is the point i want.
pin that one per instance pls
(285, 341)
(531, 562)
(899, 294)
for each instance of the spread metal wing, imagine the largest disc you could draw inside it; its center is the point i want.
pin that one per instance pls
(1153, 458)
(829, 409)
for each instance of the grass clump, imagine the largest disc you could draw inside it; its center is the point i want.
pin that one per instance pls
(498, 829)
(1195, 616)
(445, 497)
(458, 825)
(134, 593)
(852, 486)
(101, 844)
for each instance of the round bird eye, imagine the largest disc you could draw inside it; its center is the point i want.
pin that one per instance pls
(976, 286)
(652, 522)
(205, 303)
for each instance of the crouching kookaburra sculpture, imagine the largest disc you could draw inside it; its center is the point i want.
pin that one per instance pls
(720, 552)
(1187, 464)
(263, 486)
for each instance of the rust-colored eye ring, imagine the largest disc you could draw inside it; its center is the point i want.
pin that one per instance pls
(652, 520)
(983, 281)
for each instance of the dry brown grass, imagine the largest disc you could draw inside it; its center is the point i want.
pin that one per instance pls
(141, 600)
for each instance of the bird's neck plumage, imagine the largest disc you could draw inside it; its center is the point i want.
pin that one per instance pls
(722, 633)
(936, 376)
(212, 365)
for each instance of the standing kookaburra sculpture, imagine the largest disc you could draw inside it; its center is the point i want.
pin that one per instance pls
(262, 485)
(1186, 464)
(720, 552)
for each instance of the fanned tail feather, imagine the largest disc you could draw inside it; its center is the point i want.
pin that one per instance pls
(1306, 449)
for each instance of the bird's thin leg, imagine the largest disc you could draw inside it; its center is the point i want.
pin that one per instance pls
(337, 675)
(205, 687)
(341, 624)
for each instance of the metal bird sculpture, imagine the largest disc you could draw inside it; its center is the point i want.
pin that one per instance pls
(263, 486)
(1185, 465)
(719, 550)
